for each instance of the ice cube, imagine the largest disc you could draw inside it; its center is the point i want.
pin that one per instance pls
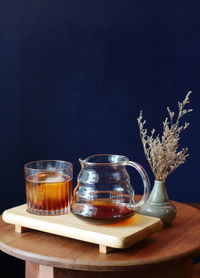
(53, 179)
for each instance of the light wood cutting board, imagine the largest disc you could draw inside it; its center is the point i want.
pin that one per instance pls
(116, 235)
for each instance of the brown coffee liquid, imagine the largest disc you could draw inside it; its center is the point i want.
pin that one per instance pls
(102, 212)
(48, 191)
(105, 212)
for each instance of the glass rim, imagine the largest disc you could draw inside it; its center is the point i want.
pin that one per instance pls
(124, 159)
(47, 160)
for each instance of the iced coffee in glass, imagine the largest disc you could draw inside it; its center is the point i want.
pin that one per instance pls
(48, 186)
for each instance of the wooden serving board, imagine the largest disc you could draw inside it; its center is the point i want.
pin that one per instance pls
(108, 236)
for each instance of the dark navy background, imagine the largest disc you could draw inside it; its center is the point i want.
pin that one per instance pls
(75, 74)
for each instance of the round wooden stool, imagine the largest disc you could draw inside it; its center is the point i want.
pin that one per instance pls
(196, 273)
(169, 253)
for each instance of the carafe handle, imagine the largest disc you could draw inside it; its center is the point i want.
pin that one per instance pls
(146, 183)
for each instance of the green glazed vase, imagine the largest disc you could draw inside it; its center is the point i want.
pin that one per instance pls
(158, 204)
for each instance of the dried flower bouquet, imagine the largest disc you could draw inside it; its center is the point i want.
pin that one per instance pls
(163, 152)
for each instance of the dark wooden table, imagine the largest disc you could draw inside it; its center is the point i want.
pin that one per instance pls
(169, 253)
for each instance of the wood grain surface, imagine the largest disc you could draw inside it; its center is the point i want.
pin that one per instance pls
(181, 270)
(196, 273)
(116, 235)
(178, 242)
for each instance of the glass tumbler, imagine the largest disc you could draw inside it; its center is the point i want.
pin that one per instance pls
(48, 186)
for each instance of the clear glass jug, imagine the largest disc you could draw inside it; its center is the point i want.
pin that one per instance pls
(103, 190)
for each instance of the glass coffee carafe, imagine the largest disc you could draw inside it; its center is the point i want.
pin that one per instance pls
(103, 190)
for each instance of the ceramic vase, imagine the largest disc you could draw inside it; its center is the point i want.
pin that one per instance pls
(158, 204)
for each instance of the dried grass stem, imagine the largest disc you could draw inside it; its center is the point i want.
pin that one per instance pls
(163, 152)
